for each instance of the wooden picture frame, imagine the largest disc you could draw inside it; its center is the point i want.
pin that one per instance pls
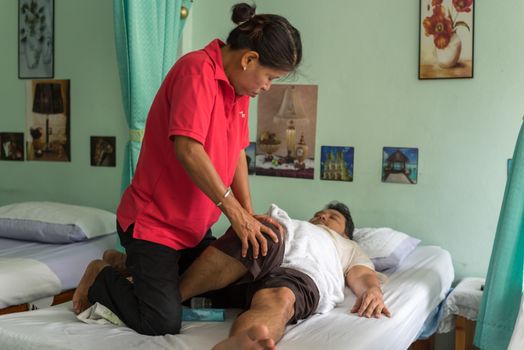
(446, 32)
(36, 39)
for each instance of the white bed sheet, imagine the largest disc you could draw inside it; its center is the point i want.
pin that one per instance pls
(411, 293)
(31, 270)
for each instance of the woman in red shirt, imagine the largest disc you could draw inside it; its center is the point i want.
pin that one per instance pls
(192, 167)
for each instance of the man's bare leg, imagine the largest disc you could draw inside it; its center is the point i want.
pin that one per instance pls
(80, 300)
(254, 338)
(272, 307)
(212, 270)
(117, 260)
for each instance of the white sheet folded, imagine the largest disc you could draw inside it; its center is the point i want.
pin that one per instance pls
(99, 314)
(25, 279)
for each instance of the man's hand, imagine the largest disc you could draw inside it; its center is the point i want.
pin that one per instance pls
(371, 304)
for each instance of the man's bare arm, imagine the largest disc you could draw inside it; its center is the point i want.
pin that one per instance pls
(364, 282)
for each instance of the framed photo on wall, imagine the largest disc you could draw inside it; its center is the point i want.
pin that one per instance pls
(336, 163)
(446, 39)
(250, 158)
(103, 151)
(286, 131)
(48, 120)
(35, 39)
(12, 146)
(400, 165)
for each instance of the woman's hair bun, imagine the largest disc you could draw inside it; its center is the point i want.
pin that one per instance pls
(242, 12)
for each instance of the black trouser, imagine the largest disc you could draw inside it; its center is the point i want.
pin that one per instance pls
(151, 304)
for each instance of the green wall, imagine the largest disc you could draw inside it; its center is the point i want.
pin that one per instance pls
(85, 54)
(364, 58)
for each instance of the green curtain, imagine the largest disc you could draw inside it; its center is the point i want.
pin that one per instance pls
(504, 282)
(147, 35)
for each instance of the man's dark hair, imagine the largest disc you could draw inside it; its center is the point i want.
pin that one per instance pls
(277, 42)
(344, 210)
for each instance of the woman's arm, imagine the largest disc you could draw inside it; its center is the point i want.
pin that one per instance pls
(240, 185)
(200, 169)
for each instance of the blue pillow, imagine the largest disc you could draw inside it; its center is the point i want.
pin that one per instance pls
(52, 222)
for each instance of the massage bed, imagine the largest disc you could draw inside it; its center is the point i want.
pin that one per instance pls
(412, 293)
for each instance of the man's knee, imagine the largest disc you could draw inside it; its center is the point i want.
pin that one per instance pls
(281, 298)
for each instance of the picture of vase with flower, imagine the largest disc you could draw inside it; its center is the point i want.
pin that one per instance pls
(35, 39)
(446, 39)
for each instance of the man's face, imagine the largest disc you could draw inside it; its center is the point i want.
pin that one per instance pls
(332, 219)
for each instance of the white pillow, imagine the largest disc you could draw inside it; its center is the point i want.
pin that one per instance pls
(385, 246)
(52, 222)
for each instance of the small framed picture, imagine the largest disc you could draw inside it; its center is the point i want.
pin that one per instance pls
(36, 39)
(48, 120)
(400, 165)
(446, 39)
(336, 163)
(103, 151)
(250, 158)
(12, 146)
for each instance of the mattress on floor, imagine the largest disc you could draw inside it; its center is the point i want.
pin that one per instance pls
(411, 293)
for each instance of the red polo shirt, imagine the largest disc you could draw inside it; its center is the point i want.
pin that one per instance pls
(195, 100)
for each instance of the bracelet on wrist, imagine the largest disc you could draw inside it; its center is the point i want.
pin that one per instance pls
(228, 192)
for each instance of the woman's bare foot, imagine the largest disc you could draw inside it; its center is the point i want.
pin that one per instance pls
(117, 260)
(80, 300)
(255, 338)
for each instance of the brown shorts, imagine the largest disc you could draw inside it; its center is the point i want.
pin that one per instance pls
(264, 272)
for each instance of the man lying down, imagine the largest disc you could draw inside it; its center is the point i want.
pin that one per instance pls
(303, 274)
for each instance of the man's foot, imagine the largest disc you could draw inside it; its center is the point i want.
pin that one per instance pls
(255, 338)
(80, 300)
(117, 260)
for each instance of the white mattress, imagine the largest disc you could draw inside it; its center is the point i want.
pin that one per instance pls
(30, 271)
(411, 294)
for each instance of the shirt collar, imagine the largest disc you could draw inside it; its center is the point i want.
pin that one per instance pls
(213, 50)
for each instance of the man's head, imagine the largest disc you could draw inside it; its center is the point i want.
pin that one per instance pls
(337, 217)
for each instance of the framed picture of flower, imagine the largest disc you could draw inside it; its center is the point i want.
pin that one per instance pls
(35, 39)
(446, 39)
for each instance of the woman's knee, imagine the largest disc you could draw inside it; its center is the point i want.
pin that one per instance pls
(159, 326)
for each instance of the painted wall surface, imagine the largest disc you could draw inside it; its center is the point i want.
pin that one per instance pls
(85, 54)
(364, 57)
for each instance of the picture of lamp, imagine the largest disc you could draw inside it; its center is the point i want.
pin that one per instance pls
(291, 110)
(48, 100)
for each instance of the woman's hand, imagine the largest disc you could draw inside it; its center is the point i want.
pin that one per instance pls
(251, 231)
(269, 220)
